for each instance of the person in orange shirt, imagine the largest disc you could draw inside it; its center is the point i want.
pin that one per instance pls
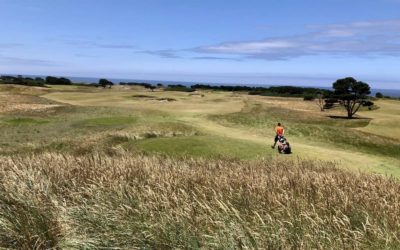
(279, 130)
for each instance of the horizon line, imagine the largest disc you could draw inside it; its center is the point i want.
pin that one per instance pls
(182, 81)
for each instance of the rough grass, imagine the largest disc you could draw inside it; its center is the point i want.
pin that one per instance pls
(80, 130)
(132, 201)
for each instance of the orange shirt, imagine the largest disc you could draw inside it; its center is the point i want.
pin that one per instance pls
(279, 130)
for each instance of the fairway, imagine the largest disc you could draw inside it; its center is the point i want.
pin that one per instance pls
(385, 120)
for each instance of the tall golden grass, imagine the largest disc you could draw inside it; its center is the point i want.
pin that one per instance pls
(136, 201)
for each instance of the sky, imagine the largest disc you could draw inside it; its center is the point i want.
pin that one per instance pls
(287, 42)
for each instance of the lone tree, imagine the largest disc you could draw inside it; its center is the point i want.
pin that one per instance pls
(351, 93)
(104, 83)
(379, 95)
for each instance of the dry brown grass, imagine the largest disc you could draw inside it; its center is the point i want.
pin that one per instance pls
(18, 102)
(134, 201)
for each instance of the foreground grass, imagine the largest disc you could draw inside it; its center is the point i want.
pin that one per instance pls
(133, 201)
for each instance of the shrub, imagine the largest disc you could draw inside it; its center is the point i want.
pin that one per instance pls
(309, 98)
(51, 80)
(330, 103)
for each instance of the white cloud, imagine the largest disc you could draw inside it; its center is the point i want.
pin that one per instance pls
(250, 47)
(166, 53)
(369, 38)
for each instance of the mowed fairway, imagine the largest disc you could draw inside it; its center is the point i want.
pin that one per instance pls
(385, 121)
(201, 124)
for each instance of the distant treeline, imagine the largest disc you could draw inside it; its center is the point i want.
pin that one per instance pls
(37, 81)
(289, 91)
(143, 84)
(179, 87)
(28, 81)
(224, 87)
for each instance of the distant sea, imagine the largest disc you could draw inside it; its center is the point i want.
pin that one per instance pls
(387, 92)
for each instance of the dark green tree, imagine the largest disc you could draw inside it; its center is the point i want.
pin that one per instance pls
(369, 104)
(51, 80)
(351, 93)
(64, 81)
(379, 95)
(104, 83)
(19, 80)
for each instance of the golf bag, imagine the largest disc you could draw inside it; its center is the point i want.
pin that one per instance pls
(284, 146)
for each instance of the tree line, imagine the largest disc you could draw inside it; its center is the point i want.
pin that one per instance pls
(284, 91)
(49, 80)
(36, 81)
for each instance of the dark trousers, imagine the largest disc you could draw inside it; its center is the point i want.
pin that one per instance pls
(276, 139)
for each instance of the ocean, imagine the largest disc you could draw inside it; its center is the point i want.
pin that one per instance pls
(387, 92)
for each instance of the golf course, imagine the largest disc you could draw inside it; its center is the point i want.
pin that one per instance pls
(197, 125)
(202, 123)
(87, 167)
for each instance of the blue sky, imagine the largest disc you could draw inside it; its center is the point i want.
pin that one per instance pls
(292, 42)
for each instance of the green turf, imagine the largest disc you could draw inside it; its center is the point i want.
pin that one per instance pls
(25, 121)
(107, 121)
(204, 146)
